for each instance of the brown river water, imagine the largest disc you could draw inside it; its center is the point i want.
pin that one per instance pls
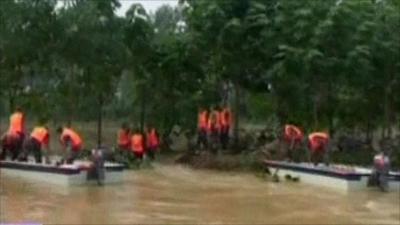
(176, 194)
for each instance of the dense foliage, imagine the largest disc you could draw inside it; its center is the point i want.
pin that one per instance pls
(328, 64)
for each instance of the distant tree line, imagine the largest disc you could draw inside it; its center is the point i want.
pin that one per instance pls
(328, 64)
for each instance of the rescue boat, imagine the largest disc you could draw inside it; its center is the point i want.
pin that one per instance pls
(78, 173)
(339, 177)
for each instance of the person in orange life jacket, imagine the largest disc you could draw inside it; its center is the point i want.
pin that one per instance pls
(202, 127)
(37, 142)
(16, 130)
(71, 143)
(138, 144)
(225, 118)
(152, 141)
(318, 144)
(124, 138)
(292, 140)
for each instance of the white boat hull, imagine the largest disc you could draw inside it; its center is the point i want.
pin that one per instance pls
(68, 175)
(355, 179)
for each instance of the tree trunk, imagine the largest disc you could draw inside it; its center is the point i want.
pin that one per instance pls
(368, 132)
(315, 114)
(100, 123)
(331, 129)
(69, 121)
(386, 114)
(142, 109)
(388, 102)
(236, 116)
(11, 101)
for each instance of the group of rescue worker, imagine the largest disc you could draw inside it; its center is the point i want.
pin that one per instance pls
(319, 146)
(318, 143)
(19, 146)
(134, 145)
(214, 126)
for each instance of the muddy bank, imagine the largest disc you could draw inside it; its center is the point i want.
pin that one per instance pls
(226, 162)
(252, 161)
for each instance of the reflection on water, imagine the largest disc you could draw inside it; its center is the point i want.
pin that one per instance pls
(175, 194)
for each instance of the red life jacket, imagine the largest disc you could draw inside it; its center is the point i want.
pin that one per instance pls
(73, 136)
(152, 139)
(17, 123)
(124, 140)
(202, 120)
(225, 118)
(137, 144)
(41, 134)
(318, 141)
(293, 133)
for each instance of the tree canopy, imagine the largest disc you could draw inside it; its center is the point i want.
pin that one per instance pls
(329, 64)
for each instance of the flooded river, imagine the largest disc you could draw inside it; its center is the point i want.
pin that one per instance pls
(175, 194)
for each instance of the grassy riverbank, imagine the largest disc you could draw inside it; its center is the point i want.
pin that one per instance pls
(252, 161)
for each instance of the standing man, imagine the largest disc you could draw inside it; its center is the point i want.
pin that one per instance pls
(138, 145)
(225, 125)
(71, 143)
(153, 142)
(202, 126)
(12, 140)
(17, 127)
(123, 153)
(124, 138)
(380, 172)
(318, 143)
(36, 143)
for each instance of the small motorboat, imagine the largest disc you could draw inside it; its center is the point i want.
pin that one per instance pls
(335, 176)
(78, 173)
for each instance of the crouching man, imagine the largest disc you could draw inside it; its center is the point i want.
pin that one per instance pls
(71, 143)
(36, 144)
(319, 147)
(292, 142)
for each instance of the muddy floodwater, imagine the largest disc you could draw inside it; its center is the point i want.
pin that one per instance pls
(176, 194)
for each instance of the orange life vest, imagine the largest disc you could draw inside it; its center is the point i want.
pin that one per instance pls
(17, 123)
(318, 141)
(293, 133)
(152, 138)
(137, 143)
(123, 138)
(225, 118)
(74, 137)
(41, 134)
(202, 120)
